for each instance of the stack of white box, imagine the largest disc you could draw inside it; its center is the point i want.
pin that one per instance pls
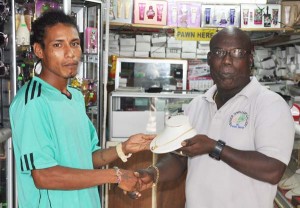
(143, 45)
(263, 62)
(173, 49)
(202, 49)
(114, 44)
(189, 49)
(127, 46)
(297, 59)
(280, 54)
(158, 48)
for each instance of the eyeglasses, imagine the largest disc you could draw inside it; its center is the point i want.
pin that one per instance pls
(234, 53)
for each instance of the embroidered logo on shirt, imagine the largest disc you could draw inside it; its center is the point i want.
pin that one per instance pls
(239, 120)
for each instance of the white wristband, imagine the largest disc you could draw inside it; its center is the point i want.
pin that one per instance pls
(121, 154)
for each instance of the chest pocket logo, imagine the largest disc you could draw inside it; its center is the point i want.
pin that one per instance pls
(239, 120)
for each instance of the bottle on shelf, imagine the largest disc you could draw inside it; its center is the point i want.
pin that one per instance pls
(22, 34)
(112, 71)
(28, 14)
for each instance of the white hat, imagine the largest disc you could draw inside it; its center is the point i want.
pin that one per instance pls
(177, 129)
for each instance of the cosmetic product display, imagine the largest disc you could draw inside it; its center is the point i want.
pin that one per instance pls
(267, 18)
(260, 15)
(91, 38)
(220, 15)
(121, 11)
(189, 14)
(172, 13)
(150, 12)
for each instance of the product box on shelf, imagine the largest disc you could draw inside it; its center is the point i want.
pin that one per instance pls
(260, 15)
(172, 13)
(150, 12)
(220, 15)
(189, 14)
(143, 38)
(290, 13)
(91, 38)
(121, 11)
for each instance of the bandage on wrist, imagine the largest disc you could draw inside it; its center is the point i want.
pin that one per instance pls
(121, 154)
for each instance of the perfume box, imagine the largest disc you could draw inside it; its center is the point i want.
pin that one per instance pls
(260, 15)
(172, 13)
(220, 15)
(121, 11)
(290, 12)
(189, 14)
(150, 12)
(91, 40)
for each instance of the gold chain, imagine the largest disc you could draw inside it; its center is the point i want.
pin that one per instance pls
(156, 146)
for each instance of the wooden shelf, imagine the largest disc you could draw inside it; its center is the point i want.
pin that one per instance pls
(117, 25)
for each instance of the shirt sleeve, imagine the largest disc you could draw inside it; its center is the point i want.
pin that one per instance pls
(34, 140)
(274, 129)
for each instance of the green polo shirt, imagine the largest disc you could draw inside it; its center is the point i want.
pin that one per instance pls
(50, 129)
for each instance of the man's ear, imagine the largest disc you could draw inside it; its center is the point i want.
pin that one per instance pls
(38, 51)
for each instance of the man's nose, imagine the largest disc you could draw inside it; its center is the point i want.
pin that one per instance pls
(69, 51)
(227, 58)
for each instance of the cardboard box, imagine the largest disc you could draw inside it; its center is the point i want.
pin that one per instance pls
(143, 38)
(189, 14)
(127, 48)
(173, 55)
(260, 15)
(150, 12)
(121, 11)
(127, 53)
(143, 47)
(141, 54)
(158, 55)
(220, 15)
(155, 49)
(127, 41)
(188, 55)
(158, 39)
(173, 50)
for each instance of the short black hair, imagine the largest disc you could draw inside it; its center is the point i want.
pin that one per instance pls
(48, 19)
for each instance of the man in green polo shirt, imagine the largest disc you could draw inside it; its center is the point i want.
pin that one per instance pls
(55, 144)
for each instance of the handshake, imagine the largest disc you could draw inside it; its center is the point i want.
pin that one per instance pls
(136, 181)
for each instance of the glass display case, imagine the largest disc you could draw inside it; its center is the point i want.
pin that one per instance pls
(139, 112)
(165, 74)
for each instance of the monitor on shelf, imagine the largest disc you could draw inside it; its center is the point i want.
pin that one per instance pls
(164, 74)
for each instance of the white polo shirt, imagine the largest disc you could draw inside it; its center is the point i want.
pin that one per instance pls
(254, 119)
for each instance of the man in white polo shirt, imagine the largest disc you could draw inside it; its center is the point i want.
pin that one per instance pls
(245, 135)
